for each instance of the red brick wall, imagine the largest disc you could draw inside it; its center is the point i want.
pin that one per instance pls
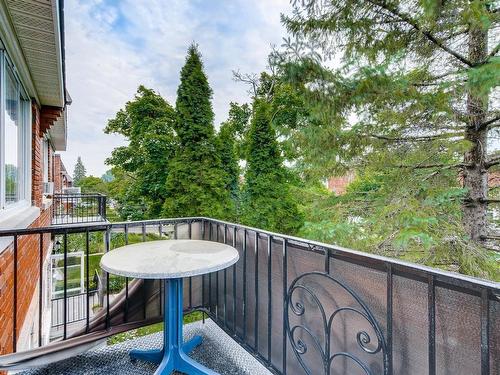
(28, 253)
(494, 179)
(57, 174)
(338, 185)
(28, 261)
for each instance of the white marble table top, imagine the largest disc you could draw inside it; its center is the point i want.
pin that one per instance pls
(169, 259)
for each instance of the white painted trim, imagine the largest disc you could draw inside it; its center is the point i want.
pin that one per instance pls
(58, 42)
(2, 127)
(16, 219)
(24, 138)
(13, 47)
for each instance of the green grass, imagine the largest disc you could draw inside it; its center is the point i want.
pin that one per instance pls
(76, 242)
(148, 330)
(112, 215)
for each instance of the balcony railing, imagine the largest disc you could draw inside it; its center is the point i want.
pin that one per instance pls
(297, 306)
(78, 208)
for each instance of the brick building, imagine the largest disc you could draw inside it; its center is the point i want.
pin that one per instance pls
(32, 128)
(338, 185)
(62, 179)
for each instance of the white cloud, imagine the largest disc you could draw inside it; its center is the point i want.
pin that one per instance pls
(111, 48)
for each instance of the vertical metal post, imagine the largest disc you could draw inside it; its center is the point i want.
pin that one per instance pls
(40, 288)
(107, 248)
(485, 332)
(217, 278)
(285, 290)
(431, 306)
(210, 275)
(190, 278)
(256, 285)
(203, 276)
(389, 318)
(126, 281)
(87, 278)
(143, 232)
(327, 260)
(234, 284)
(269, 298)
(225, 281)
(245, 285)
(65, 291)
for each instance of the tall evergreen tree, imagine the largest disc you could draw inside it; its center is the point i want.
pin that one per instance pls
(147, 122)
(195, 184)
(413, 75)
(79, 171)
(229, 141)
(410, 105)
(267, 201)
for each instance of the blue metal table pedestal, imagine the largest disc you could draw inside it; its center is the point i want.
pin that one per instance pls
(174, 355)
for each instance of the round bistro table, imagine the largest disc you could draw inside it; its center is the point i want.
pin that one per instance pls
(171, 260)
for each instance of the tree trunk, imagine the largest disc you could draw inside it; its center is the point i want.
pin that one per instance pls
(475, 173)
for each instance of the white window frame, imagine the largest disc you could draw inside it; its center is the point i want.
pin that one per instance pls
(46, 160)
(24, 141)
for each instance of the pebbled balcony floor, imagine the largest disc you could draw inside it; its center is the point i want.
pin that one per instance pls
(218, 352)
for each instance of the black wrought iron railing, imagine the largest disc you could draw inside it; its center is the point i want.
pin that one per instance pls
(76, 308)
(298, 306)
(78, 208)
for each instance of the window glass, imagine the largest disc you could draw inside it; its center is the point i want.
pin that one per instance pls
(13, 163)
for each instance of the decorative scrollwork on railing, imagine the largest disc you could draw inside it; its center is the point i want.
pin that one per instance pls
(322, 343)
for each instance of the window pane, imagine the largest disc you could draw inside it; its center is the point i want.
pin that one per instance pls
(13, 166)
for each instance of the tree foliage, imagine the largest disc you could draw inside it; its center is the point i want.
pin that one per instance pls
(229, 146)
(92, 184)
(196, 181)
(79, 171)
(409, 103)
(147, 122)
(267, 199)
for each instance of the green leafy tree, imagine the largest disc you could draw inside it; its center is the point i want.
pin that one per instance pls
(267, 199)
(125, 192)
(79, 171)
(147, 122)
(229, 140)
(410, 107)
(92, 184)
(196, 181)
(107, 176)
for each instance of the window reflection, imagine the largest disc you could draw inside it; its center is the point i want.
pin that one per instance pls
(12, 159)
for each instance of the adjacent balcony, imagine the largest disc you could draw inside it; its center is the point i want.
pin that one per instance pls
(289, 306)
(78, 208)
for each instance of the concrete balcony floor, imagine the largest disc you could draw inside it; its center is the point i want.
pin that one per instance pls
(218, 352)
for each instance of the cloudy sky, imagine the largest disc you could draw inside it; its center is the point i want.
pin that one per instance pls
(112, 46)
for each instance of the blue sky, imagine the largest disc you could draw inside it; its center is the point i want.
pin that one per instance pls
(113, 46)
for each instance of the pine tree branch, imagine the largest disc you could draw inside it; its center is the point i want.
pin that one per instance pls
(433, 39)
(489, 200)
(487, 123)
(416, 138)
(495, 160)
(493, 52)
(438, 165)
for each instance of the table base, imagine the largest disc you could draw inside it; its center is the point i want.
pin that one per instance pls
(173, 355)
